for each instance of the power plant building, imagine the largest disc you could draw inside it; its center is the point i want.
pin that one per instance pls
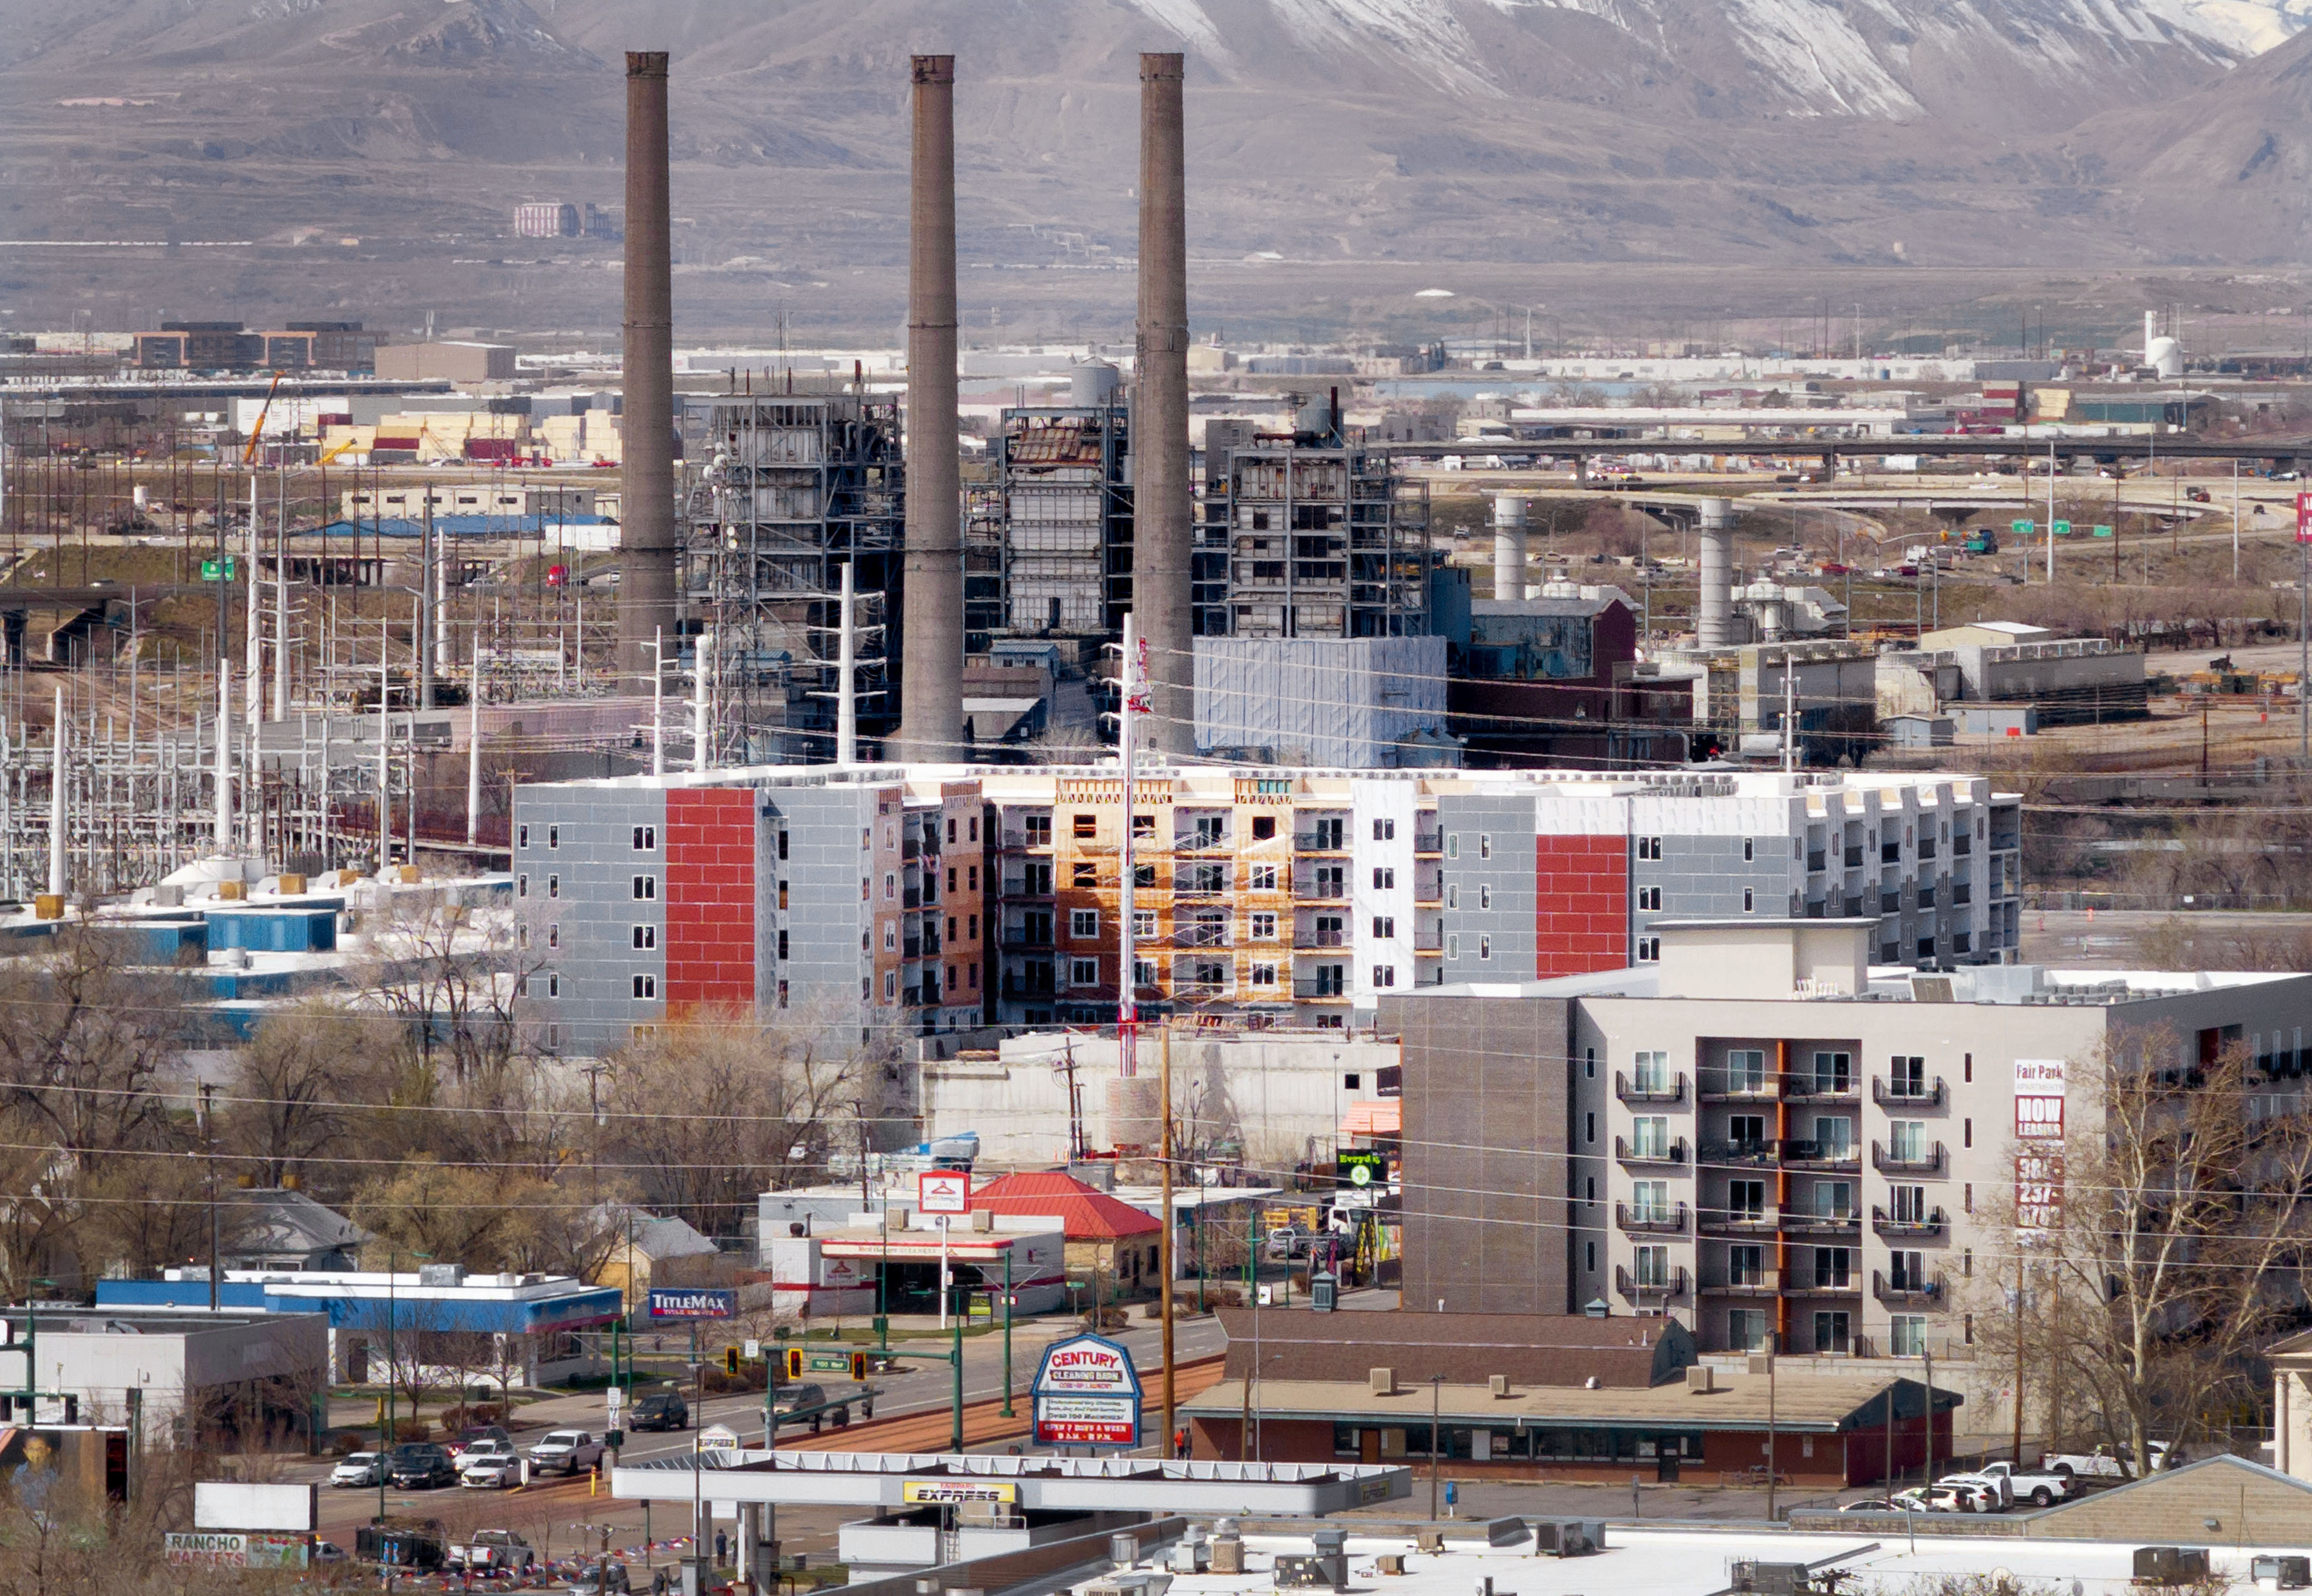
(1051, 550)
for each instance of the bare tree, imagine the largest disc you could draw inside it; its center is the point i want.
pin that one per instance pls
(453, 974)
(293, 1085)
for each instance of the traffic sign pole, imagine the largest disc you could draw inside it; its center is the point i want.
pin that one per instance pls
(2304, 626)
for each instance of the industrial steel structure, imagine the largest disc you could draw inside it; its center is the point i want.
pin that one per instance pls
(796, 487)
(1052, 536)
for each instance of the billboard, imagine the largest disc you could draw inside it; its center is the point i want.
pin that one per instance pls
(213, 1548)
(690, 1302)
(1086, 1393)
(2039, 1143)
(229, 1505)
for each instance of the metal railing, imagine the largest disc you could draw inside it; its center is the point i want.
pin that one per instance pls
(1799, 1222)
(1319, 842)
(1747, 1283)
(1927, 1162)
(1819, 1155)
(1672, 1152)
(1898, 1094)
(1321, 892)
(1918, 1294)
(1759, 1221)
(1742, 1154)
(1669, 1091)
(1336, 991)
(1724, 1083)
(1798, 1087)
(1309, 941)
(1429, 842)
(1676, 1284)
(1925, 1228)
(1649, 1220)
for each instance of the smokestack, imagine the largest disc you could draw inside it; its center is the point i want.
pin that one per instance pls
(1162, 509)
(2151, 333)
(1714, 625)
(931, 684)
(646, 477)
(1509, 546)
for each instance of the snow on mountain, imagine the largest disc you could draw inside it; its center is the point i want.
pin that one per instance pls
(2249, 26)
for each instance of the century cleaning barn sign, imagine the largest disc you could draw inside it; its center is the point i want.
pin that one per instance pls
(1086, 1393)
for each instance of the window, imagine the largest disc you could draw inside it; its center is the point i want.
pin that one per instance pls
(1966, 1133)
(1083, 874)
(1261, 878)
(1083, 972)
(1085, 826)
(1746, 1069)
(1834, 1199)
(1649, 848)
(645, 986)
(1967, 1068)
(1649, 1266)
(1037, 829)
(554, 984)
(553, 1036)
(890, 935)
(1589, 1063)
(1966, 1198)
(1484, 896)
(1907, 1075)
(1650, 897)
(554, 836)
(1485, 946)
(1143, 972)
(1589, 1127)
(1590, 1189)
(554, 933)
(1485, 845)
(951, 878)
(1834, 1268)
(1745, 1330)
(1746, 1200)
(1452, 845)
(1649, 1201)
(521, 886)
(971, 927)
(1910, 1204)
(1750, 850)
(1384, 879)
(1384, 831)
(1834, 1135)
(1453, 945)
(1143, 875)
(645, 938)
(1384, 976)
(1906, 1335)
(1747, 1130)
(1906, 1141)
(645, 839)
(522, 935)
(1384, 927)
(971, 876)
(1352, 1082)
(522, 836)
(1264, 974)
(645, 889)
(1143, 828)
(1650, 1072)
(554, 887)
(890, 986)
(1649, 950)
(1453, 896)
(1144, 925)
(890, 886)
(1650, 1136)
(1263, 827)
(1906, 1271)
(1590, 1256)
(1750, 900)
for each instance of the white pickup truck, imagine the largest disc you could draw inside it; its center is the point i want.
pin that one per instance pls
(493, 1551)
(2100, 1464)
(2041, 1488)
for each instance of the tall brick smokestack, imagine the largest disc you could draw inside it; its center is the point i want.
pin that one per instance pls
(646, 538)
(1161, 506)
(931, 678)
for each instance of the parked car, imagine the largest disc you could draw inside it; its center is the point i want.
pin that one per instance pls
(493, 1551)
(491, 1469)
(1871, 1504)
(593, 1577)
(662, 1410)
(486, 1450)
(565, 1451)
(1927, 1498)
(473, 1434)
(329, 1551)
(420, 1466)
(2103, 1464)
(1989, 1491)
(1289, 1241)
(2041, 1488)
(356, 1469)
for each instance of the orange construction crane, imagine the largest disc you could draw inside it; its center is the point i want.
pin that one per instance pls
(257, 433)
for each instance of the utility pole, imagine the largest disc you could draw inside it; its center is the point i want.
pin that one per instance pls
(1773, 1461)
(208, 1134)
(1131, 701)
(1164, 1204)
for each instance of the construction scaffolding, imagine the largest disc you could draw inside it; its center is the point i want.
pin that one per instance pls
(795, 487)
(1065, 509)
(1304, 535)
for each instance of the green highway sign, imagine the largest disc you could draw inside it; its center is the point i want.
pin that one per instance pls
(2103, 532)
(212, 570)
(828, 1363)
(2021, 528)
(2062, 528)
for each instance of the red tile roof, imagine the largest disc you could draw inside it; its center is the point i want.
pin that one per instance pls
(1086, 1213)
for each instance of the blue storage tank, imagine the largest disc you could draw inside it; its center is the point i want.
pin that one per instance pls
(270, 929)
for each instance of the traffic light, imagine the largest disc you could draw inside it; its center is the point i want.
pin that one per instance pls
(730, 1360)
(794, 1362)
(859, 1365)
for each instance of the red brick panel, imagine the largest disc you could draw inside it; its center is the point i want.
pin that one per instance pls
(710, 891)
(1582, 905)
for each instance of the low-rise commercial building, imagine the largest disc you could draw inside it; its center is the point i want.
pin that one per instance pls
(169, 1377)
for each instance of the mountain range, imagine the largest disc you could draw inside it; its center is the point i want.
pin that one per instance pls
(1760, 134)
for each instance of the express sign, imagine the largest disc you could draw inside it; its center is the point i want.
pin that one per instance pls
(1086, 1393)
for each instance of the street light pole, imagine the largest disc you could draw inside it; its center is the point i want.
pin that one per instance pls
(1436, 1401)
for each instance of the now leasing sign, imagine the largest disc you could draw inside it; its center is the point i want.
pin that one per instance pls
(2039, 1143)
(1086, 1393)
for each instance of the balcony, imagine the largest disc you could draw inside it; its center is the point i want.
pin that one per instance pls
(1429, 842)
(1676, 1284)
(1890, 853)
(1907, 1293)
(1669, 1091)
(1321, 991)
(1021, 939)
(1828, 1156)
(1320, 891)
(1649, 1221)
(1200, 842)
(1016, 990)
(1747, 1283)
(1890, 903)
(1962, 845)
(1740, 1222)
(1836, 1226)
(1815, 861)
(1310, 941)
(1899, 1094)
(1926, 895)
(1825, 1285)
(1672, 1153)
(1740, 1154)
(1723, 1086)
(1200, 935)
(1821, 1088)
(1853, 856)
(1961, 895)
(1928, 1161)
(1930, 1227)
(912, 898)
(1926, 849)
(1031, 889)
(1186, 988)
(1319, 842)
(1022, 842)
(1428, 942)
(911, 948)
(1199, 886)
